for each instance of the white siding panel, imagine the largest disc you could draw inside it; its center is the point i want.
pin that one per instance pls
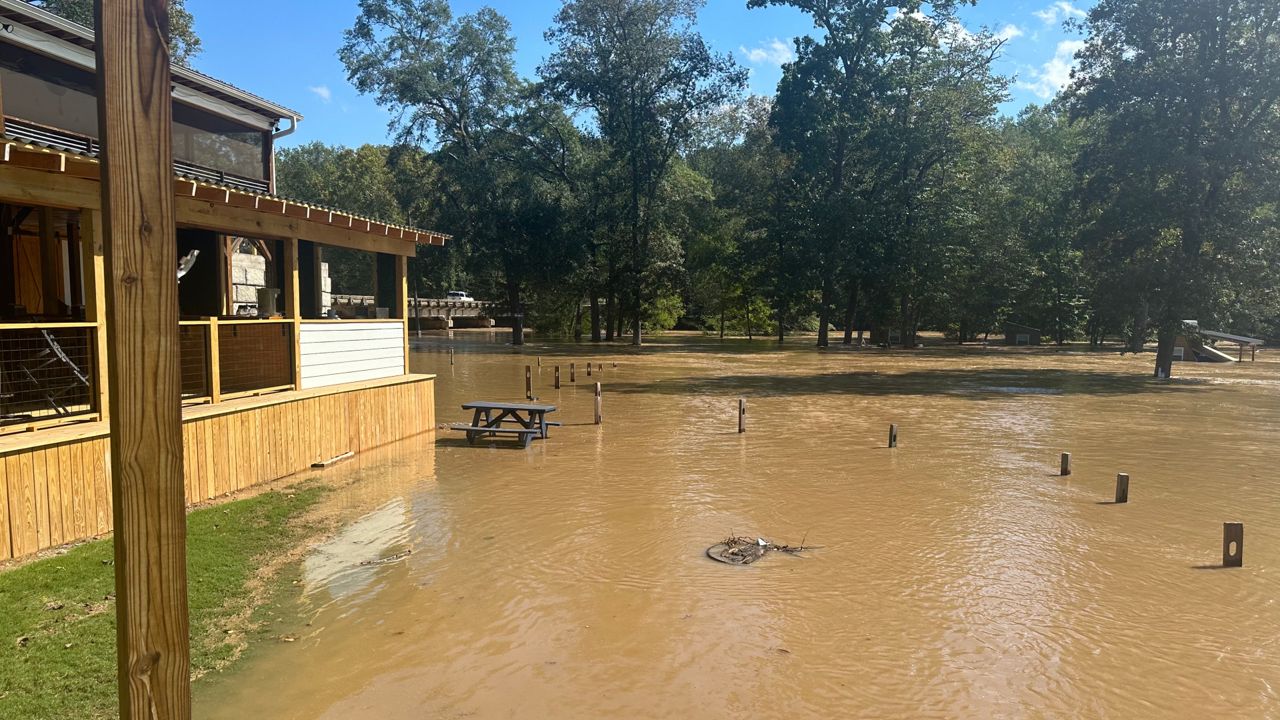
(336, 353)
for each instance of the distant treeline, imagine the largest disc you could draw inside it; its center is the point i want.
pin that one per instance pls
(631, 186)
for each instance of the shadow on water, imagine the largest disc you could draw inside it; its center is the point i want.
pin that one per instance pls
(977, 384)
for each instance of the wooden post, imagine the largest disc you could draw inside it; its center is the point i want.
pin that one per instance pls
(557, 377)
(742, 415)
(215, 362)
(599, 416)
(893, 436)
(51, 264)
(135, 126)
(588, 369)
(1122, 488)
(450, 356)
(1064, 464)
(402, 302)
(95, 296)
(572, 376)
(1232, 544)
(291, 307)
(528, 382)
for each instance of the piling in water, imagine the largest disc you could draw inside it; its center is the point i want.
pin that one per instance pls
(528, 382)
(1122, 488)
(588, 369)
(557, 377)
(599, 416)
(742, 415)
(1064, 464)
(450, 356)
(1232, 544)
(893, 436)
(572, 374)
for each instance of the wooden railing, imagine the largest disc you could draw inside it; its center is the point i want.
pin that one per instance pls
(226, 359)
(48, 374)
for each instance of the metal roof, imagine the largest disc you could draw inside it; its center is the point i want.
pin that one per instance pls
(77, 34)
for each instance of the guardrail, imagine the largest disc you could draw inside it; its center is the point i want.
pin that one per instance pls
(47, 374)
(225, 359)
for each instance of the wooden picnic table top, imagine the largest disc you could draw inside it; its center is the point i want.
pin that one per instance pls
(487, 405)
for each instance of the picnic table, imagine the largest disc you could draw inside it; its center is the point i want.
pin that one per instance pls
(526, 421)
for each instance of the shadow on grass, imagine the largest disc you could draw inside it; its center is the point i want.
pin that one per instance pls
(975, 384)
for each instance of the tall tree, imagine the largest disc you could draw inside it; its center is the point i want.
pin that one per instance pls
(451, 85)
(183, 41)
(1184, 97)
(646, 77)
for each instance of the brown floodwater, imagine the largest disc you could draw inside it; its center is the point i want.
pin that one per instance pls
(957, 576)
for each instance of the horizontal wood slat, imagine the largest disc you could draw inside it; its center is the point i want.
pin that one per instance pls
(61, 493)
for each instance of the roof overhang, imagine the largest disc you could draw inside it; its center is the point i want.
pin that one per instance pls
(44, 176)
(31, 27)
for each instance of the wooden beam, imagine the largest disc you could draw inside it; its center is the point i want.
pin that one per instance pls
(50, 264)
(402, 303)
(135, 125)
(95, 298)
(292, 309)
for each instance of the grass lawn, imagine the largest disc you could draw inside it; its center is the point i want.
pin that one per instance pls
(57, 615)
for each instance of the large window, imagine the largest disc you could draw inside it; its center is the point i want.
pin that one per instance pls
(51, 93)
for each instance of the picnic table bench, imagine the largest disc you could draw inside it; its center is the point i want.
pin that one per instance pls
(526, 421)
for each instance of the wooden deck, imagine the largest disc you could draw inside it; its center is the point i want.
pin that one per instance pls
(55, 484)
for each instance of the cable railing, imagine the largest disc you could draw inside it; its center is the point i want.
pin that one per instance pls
(225, 359)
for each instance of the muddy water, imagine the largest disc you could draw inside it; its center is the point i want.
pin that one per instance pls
(957, 576)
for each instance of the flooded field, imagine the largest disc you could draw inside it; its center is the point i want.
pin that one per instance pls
(957, 575)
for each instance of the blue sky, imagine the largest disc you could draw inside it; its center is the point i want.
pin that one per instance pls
(289, 54)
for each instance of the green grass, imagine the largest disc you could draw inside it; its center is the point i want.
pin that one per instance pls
(57, 615)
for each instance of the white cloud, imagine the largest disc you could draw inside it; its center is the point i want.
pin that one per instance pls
(1060, 10)
(775, 52)
(1054, 75)
(322, 92)
(1009, 32)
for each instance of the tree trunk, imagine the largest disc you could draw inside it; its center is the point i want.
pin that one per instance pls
(1164, 351)
(824, 313)
(782, 313)
(1138, 334)
(635, 326)
(577, 320)
(517, 313)
(610, 310)
(722, 321)
(595, 317)
(747, 311)
(850, 314)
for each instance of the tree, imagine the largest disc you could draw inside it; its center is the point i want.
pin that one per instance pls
(646, 77)
(452, 86)
(183, 41)
(1182, 96)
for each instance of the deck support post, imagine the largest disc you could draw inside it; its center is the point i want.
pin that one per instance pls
(291, 308)
(95, 299)
(135, 126)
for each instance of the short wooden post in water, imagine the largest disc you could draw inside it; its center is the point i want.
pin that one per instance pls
(572, 374)
(599, 416)
(1122, 488)
(1064, 464)
(557, 377)
(1232, 544)
(528, 382)
(893, 436)
(539, 361)
(450, 356)
(742, 415)
(588, 369)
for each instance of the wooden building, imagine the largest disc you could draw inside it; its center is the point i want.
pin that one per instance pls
(1016, 334)
(263, 397)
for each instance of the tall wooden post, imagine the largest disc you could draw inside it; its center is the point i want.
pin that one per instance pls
(292, 308)
(599, 414)
(135, 126)
(528, 383)
(402, 303)
(742, 415)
